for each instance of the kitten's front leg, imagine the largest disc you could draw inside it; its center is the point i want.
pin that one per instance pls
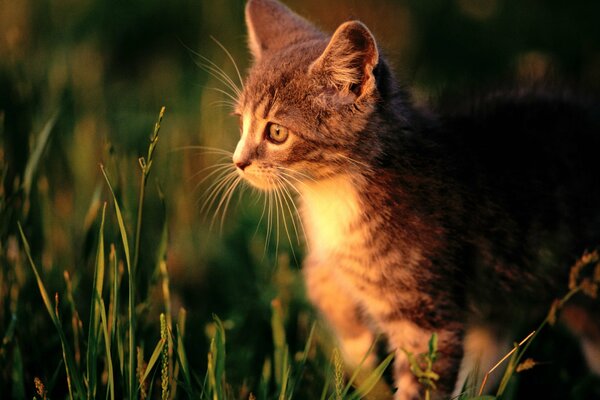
(405, 335)
(337, 305)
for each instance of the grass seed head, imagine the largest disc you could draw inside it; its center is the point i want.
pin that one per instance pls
(40, 388)
(526, 364)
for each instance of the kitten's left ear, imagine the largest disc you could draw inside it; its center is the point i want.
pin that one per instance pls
(348, 61)
(272, 26)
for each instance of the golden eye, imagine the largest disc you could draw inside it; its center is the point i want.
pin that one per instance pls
(277, 133)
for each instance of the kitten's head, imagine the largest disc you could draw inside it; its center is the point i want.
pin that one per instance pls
(307, 98)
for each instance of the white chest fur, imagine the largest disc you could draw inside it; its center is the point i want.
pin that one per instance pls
(329, 209)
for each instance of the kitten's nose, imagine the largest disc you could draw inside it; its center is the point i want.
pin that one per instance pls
(242, 164)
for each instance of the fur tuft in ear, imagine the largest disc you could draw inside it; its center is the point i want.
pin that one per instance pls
(348, 61)
(273, 26)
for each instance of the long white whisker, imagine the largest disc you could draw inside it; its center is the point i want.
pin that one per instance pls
(277, 219)
(269, 219)
(223, 197)
(237, 70)
(220, 171)
(297, 213)
(288, 178)
(213, 69)
(281, 197)
(205, 149)
(225, 201)
(232, 97)
(225, 163)
(218, 74)
(354, 161)
(220, 185)
(213, 192)
(295, 174)
(223, 103)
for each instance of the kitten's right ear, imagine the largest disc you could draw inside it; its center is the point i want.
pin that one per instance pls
(349, 60)
(273, 26)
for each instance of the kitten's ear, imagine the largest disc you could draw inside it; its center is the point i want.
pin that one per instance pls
(273, 26)
(348, 61)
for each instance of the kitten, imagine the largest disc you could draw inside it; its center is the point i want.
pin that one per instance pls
(417, 223)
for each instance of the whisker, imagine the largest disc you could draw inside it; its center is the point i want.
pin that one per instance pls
(297, 212)
(354, 161)
(217, 188)
(269, 219)
(277, 219)
(223, 103)
(205, 149)
(213, 190)
(232, 97)
(220, 76)
(262, 214)
(213, 69)
(237, 70)
(294, 174)
(280, 195)
(218, 73)
(224, 202)
(217, 168)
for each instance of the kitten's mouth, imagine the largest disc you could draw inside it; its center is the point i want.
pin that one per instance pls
(259, 181)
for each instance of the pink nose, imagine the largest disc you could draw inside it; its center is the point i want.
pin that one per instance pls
(242, 164)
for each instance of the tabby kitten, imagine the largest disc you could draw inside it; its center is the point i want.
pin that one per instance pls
(417, 223)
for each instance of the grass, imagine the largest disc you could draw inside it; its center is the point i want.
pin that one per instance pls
(114, 365)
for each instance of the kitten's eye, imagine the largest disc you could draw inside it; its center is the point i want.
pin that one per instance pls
(277, 133)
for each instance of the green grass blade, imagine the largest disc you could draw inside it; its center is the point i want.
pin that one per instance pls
(153, 359)
(8, 335)
(76, 323)
(300, 366)
(73, 378)
(120, 221)
(36, 155)
(94, 324)
(220, 355)
(265, 379)
(326, 387)
(131, 305)
(107, 345)
(279, 342)
(510, 369)
(285, 379)
(216, 361)
(370, 381)
(181, 354)
(17, 374)
(358, 368)
(114, 307)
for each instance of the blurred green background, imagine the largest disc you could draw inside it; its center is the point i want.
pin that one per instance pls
(105, 67)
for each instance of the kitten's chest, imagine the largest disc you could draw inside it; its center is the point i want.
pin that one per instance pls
(332, 215)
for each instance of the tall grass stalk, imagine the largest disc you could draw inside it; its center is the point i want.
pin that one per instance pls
(131, 291)
(74, 382)
(94, 324)
(145, 165)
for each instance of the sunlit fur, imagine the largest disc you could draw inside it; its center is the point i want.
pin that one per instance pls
(460, 223)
